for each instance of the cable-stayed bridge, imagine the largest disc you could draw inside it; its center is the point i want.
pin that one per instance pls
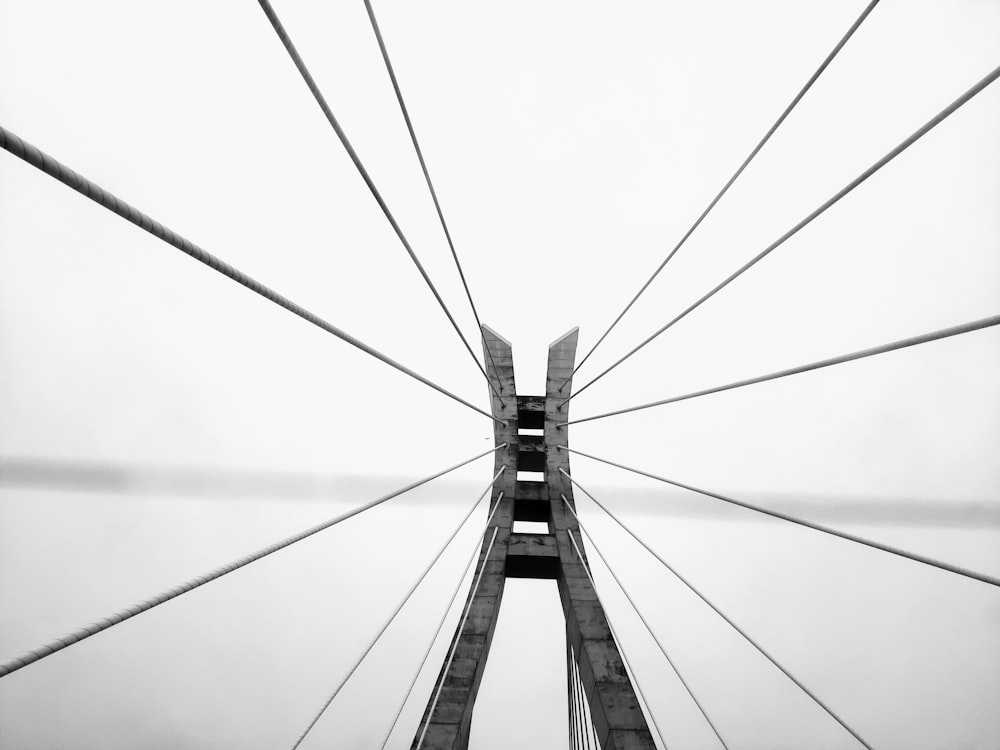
(607, 706)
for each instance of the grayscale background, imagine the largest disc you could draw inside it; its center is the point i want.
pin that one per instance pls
(156, 420)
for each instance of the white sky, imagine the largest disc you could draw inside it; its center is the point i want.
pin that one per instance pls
(571, 145)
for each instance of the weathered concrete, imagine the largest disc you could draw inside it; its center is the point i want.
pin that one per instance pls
(532, 556)
(614, 707)
(615, 711)
(448, 727)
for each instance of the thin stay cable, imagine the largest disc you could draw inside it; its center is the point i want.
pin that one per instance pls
(725, 188)
(721, 614)
(571, 698)
(42, 161)
(618, 641)
(454, 645)
(321, 101)
(12, 665)
(427, 175)
(926, 338)
(916, 136)
(584, 726)
(993, 580)
(583, 709)
(642, 618)
(398, 609)
(444, 616)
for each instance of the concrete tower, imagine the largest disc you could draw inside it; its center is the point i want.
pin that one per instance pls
(614, 709)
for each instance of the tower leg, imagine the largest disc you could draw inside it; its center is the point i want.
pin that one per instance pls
(614, 709)
(446, 722)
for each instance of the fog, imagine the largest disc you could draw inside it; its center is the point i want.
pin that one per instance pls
(157, 421)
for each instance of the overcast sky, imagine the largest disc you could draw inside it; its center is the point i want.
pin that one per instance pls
(571, 144)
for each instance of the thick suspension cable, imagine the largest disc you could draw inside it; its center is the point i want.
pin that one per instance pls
(18, 662)
(993, 580)
(454, 645)
(427, 175)
(721, 614)
(614, 635)
(321, 101)
(444, 616)
(913, 138)
(943, 333)
(645, 622)
(399, 608)
(40, 160)
(725, 188)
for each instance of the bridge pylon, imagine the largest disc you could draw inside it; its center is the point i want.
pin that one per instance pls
(614, 709)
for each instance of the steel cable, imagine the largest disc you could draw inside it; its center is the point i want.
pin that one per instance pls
(913, 138)
(398, 609)
(721, 614)
(321, 101)
(454, 595)
(618, 642)
(586, 718)
(574, 740)
(725, 188)
(993, 580)
(582, 727)
(943, 333)
(12, 665)
(642, 618)
(454, 645)
(427, 175)
(40, 160)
